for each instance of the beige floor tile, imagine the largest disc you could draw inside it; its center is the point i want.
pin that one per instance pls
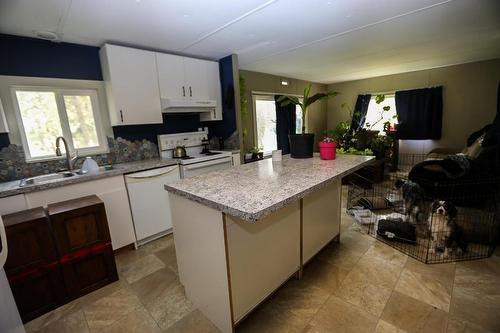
(355, 240)
(103, 292)
(384, 252)
(154, 284)
(158, 244)
(269, 319)
(431, 284)
(168, 257)
(385, 327)
(337, 254)
(300, 298)
(169, 307)
(339, 316)
(476, 293)
(323, 275)
(140, 268)
(53, 316)
(138, 320)
(193, 322)
(72, 323)
(107, 310)
(411, 315)
(376, 272)
(456, 325)
(365, 295)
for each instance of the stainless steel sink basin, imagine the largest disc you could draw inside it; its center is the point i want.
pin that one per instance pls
(56, 176)
(45, 178)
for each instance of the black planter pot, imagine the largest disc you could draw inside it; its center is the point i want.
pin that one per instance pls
(301, 145)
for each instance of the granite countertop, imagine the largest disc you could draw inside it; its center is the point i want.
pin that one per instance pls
(12, 188)
(254, 190)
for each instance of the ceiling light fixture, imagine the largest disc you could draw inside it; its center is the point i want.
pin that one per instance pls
(47, 35)
(284, 82)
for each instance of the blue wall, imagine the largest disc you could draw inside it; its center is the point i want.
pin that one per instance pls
(23, 56)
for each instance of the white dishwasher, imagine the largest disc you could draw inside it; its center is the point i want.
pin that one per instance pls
(149, 202)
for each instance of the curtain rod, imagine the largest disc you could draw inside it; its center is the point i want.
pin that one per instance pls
(394, 91)
(273, 94)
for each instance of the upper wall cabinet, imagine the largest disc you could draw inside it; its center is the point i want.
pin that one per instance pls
(189, 78)
(131, 80)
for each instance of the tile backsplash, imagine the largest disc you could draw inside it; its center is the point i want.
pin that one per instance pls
(13, 165)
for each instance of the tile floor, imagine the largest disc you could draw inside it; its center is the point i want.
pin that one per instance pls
(359, 285)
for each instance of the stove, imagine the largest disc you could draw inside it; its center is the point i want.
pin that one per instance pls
(198, 160)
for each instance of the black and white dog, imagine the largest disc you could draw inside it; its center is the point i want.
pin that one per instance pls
(445, 233)
(414, 201)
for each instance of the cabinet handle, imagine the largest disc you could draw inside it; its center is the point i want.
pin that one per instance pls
(190, 92)
(183, 91)
(121, 115)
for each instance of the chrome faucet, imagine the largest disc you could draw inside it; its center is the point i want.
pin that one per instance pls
(69, 161)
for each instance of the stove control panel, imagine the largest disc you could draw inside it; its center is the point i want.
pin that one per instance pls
(188, 139)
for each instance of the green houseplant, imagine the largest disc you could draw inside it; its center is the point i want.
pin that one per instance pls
(301, 145)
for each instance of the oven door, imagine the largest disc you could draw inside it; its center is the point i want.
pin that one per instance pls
(195, 169)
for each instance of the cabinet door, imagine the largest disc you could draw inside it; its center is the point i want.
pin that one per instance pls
(171, 76)
(196, 78)
(214, 91)
(132, 83)
(12, 204)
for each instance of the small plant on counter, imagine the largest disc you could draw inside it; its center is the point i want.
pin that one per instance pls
(327, 146)
(257, 153)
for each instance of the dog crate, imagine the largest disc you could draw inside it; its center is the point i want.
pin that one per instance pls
(467, 230)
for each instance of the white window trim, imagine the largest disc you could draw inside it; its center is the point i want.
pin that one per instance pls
(61, 108)
(254, 101)
(267, 97)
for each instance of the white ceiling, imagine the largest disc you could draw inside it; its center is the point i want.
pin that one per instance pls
(319, 40)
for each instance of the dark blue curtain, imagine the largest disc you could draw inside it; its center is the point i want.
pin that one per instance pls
(360, 110)
(420, 113)
(492, 136)
(285, 125)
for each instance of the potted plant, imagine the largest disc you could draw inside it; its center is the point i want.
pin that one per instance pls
(327, 146)
(257, 153)
(302, 145)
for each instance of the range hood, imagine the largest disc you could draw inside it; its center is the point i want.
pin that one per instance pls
(173, 105)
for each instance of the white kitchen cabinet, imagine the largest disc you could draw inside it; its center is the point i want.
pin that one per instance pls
(171, 76)
(190, 78)
(132, 89)
(12, 204)
(196, 76)
(213, 75)
(110, 190)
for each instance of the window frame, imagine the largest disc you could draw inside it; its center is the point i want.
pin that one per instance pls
(268, 97)
(387, 95)
(59, 94)
(256, 97)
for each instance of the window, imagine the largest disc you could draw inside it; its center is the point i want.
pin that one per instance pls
(265, 122)
(44, 114)
(376, 116)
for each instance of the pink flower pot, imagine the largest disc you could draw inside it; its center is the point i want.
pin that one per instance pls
(327, 150)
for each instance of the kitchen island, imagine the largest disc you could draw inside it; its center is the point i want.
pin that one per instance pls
(241, 233)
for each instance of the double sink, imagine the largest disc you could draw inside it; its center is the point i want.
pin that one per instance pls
(43, 179)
